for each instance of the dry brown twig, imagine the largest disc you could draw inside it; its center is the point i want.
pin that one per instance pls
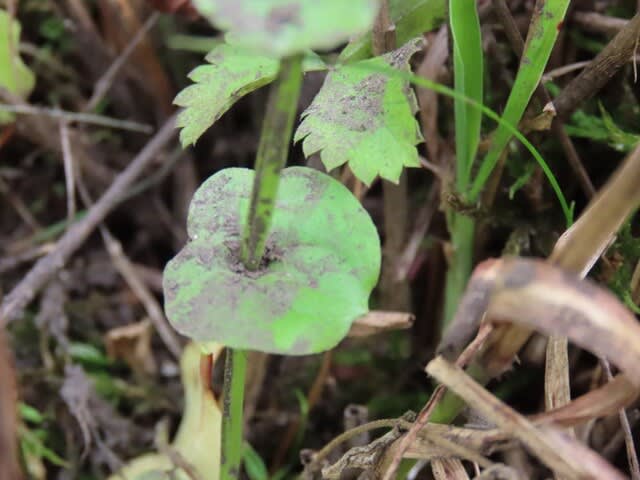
(598, 23)
(88, 118)
(131, 277)
(632, 457)
(561, 453)
(424, 415)
(595, 75)
(69, 171)
(445, 441)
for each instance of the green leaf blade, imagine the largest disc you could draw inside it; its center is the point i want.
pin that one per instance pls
(540, 41)
(365, 118)
(468, 66)
(321, 263)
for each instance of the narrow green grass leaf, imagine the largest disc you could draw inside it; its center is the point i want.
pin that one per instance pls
(468, 73)
(365, 118)
(540, 40)
(254, 464)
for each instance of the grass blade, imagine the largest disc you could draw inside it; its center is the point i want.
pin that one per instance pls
(548, 17)
(468, 72)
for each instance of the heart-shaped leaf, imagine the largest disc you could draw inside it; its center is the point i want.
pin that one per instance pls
(322, 261)
(286, 27)
(365, 117)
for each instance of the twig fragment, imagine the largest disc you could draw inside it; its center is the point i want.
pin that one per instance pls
(89, 118)
(69, 172)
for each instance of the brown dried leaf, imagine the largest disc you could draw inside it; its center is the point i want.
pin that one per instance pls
(601, 402)
(542, 297)
(132, 343)
(448, 469)
(576, 251)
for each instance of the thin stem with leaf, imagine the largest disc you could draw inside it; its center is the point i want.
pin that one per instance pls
(468, 73)
(271, 157)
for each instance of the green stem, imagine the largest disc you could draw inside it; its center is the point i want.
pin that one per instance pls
(235, 368)
(462, 230)
(272, 156)
(451, 405)
(273, 150)
(468, 72)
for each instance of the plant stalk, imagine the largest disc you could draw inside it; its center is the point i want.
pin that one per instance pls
(462, 229)
(273, 150)
(235, 369)
(468, 72)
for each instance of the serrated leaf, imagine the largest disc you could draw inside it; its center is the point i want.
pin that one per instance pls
(366, 118)
(231, 73)
(286, 27)
(322, 261)
(15, 76)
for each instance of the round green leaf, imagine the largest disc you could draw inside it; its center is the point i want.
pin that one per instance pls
(286, 27)
(321, 263)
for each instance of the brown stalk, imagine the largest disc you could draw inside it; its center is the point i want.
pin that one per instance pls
(632, 456)
(395, 294)
(595, 75)
(9, 469)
